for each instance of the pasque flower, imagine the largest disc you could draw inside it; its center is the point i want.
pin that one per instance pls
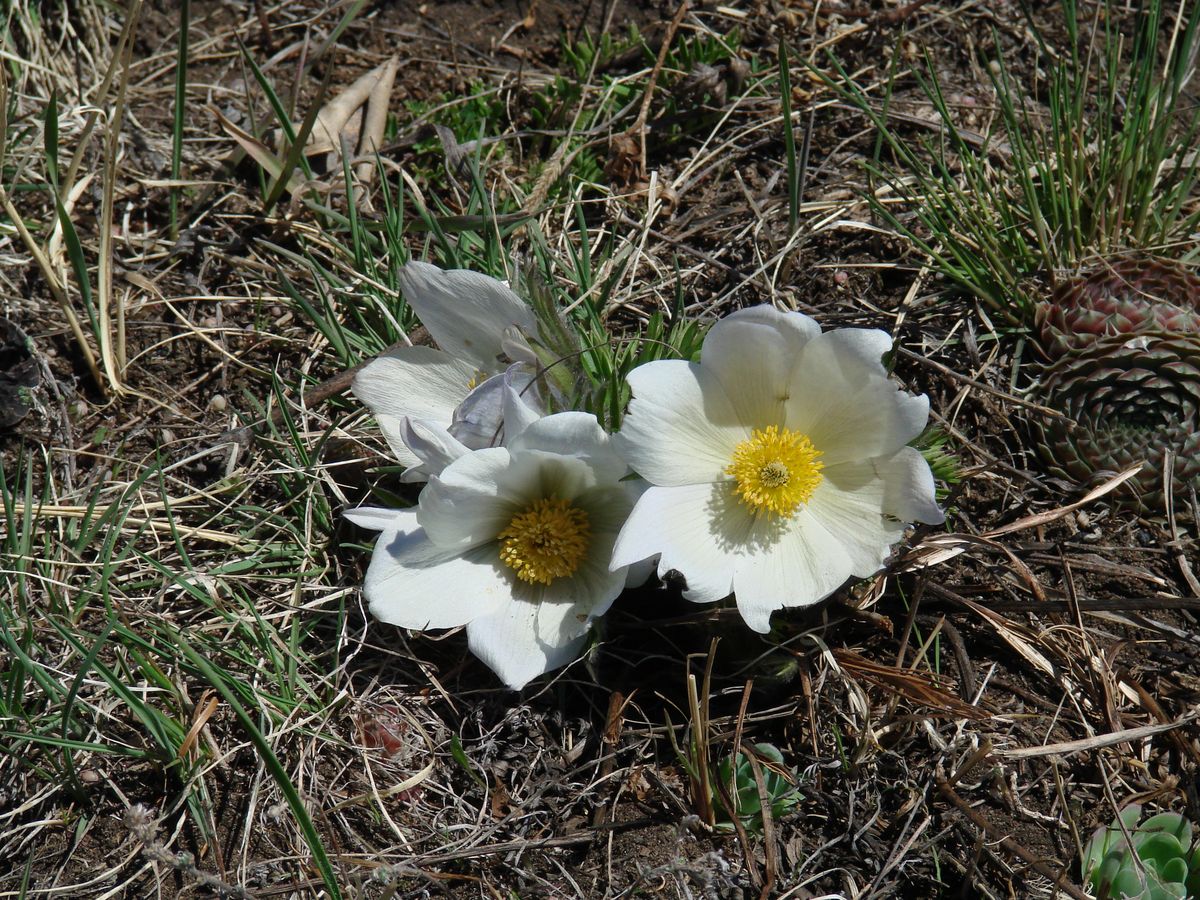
(778, 464)
(513, 542)
(453, 397)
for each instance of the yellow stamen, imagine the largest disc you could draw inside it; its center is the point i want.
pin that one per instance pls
(477, 379)
(547, 541)
(776, 470)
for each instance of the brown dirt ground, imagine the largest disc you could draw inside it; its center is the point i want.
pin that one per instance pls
(566, 812)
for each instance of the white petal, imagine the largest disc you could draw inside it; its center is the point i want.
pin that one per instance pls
(752, 353)
(523, 404)
(433, 445)
(797, 328)
(466, 312)
(514, 344)
(590, 591)
(842, 399)
(607, 506)
(524, 639)
(470, 502)
(412, 381)
(909, 492)
(639, 573)
(498, 409)
(680, 428)
(376, 518)
(595, 586)
(802, 565)
(413, 584)
(537, 474)
(543, 627)
(479, 419)
(849, 505)
(700, 530)
(577, 435)
(608, 510)
(869, 345)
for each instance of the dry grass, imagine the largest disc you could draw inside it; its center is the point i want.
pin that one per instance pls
(193, 700)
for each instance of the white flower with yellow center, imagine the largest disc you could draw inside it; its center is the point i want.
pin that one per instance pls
(451, 396)
(513, 542)
(778, 464)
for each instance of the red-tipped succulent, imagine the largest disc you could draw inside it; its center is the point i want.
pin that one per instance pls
(1132, 296)
(1124, 348)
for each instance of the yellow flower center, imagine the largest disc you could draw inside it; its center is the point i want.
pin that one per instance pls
(547, 541)
(776, 470)
(477, 379)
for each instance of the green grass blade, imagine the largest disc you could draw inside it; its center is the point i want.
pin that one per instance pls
(181, 74)
(789, 138)
(78, 264)
(295, 155)
(52, 141)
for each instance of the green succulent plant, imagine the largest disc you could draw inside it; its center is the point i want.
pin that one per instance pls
(737, 774)
(1152, 861)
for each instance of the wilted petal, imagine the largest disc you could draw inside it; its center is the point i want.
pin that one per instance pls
(499, 409)
(523, 404)
(479, 419)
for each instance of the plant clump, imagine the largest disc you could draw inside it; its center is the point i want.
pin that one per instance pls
(736, 773)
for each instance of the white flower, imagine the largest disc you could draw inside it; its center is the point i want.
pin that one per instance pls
(514, 542)
(455, 396)
(778, 465)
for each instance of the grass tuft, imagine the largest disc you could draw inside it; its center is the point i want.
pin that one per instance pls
(1093, 158)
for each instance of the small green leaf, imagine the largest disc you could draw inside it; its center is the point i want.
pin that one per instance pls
(1157, 847)
(460, 757)
(1129, 883)
(1170, 823)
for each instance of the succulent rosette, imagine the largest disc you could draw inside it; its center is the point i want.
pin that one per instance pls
(1124, 344)
(1134, 295)
(1154, 860)
(779, 464)
(1125, 402)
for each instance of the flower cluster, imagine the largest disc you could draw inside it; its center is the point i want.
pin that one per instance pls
(774, 469)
